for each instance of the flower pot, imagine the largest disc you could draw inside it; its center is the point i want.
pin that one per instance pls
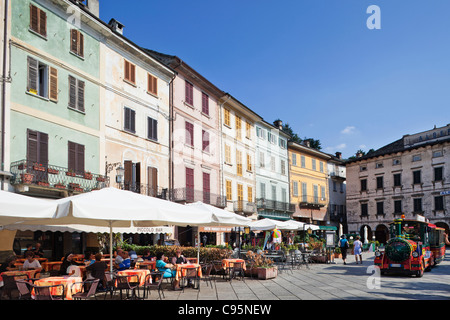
(43, 184)
(88, 176)
(52, 171)
(267, 273)
(60, 186)
(71, 174)
(27, 178)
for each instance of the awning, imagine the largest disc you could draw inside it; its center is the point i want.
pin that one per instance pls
(88, 229)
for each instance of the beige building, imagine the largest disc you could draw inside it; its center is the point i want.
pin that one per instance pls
(410, 176)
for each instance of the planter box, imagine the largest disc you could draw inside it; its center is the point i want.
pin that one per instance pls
(38, 168)
(338, 255)
(60, 186)
(267, 273)
(27, 178)
(71, 174)
(43, 184)
(101, 179)
(88, 176)
(52, 171)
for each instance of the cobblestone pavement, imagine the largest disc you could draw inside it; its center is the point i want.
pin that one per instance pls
(334, 281)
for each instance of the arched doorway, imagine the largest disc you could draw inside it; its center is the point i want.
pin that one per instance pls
(381, 233)
(362, 232)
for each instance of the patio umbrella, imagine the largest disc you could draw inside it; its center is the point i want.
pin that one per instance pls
(276, 236)
(270, 224)
(17, 208)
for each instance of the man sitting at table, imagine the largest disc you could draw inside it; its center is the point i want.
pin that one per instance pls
(38, 252)
(179, 258)
(31, 263)
(126, 262)
(97, 270)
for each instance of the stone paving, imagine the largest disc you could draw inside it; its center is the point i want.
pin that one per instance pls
(334, 281)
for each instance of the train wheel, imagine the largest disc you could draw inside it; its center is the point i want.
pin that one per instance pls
(419, 273)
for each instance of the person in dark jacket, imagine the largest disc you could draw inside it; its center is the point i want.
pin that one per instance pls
(97, 270)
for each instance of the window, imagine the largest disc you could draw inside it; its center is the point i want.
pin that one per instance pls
(250, 194)
(239, 162)
(38, 20)
(76, 157)
(416, 157)
(260, 133)
(397, 180)
(189, 184)
(262, 163)
(152, 129)
(206, 187)
(205, 103)
(397, 206)
(238, 127)
(380, 208)
(438, 174)
(437, 154)
(363, 168)
(248, 130)
(226, 119)
(227, 154)
(205, 141)
(322, 193)
(189, 93)
(379, 165)
(417, 204)
(282, 143)
(316, 193)
(396, 162)
(295, 188)
(363, 184)
(129, 120)
(314, 164)
(271, 137)
(37, 147)
(417, 177)
(364, 209)
(249, 163)
(77, 42)
(304, 192)
(132, 176)
(321, 166)
(379, 182)
(229, 191)
(294, 159)
(38, 79)
(274, 193)
(189, 130)
(303, 161)
(272, 163)
(263, 190)
(130, 72)
(76, 94)
(53, 84)
(152, 84)
(283, 167)
(439, 203)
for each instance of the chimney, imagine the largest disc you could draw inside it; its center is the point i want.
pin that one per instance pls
(116, 26)
(307, 143)
(339, 155)
(359, 154)
(94, 7)
(278, 124)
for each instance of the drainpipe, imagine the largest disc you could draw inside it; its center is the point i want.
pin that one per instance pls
(171, 120)
(5, 51)
(221, 148)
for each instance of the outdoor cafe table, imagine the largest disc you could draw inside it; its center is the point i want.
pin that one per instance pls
(51, 265)
(139, 273)
(226, 263)
(192, 260)
(29, 273)
(67, 282)
(151, 265)
(41, 260)
(180, 270)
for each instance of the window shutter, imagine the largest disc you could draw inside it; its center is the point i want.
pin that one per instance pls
(128, 174)
(132, 73)
(73, 41)
(43, 148)
(72, 156)
(53, 84)
(133, 120)
(42, 23)
(189, 93)
(80, 44)
(205, 103)
(79, 158)
(34, 18)
(80, 97)
(72, 92)
(127, 119)
(155, 85)
(152, 179)
(32, 75)
(32, 146)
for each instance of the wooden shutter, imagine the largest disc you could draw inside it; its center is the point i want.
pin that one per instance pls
(205, 103)
(205, 142)
(128, 174)
(152, 129)
(132, 73)
(189, 93)
(133, 121)
(72, 92)
(53, 84)
(42, 23)
(189, 184)
(71, 156)
(79, 158)
(206, 188)
(32, 85)
(189, 133)
(152, 178)
(80, 95)
(34, 18)
(32, 146)
(43, 148)
(152, 84)
(127, 70)
(80, 44)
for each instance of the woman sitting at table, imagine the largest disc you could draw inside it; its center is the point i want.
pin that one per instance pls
(179, 258)
(166, 268)
(9, 264)
(66, 263)
(147, 255)
(31, 263)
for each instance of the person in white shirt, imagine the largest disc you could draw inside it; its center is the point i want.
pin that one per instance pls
(357, 248)
(31, 263)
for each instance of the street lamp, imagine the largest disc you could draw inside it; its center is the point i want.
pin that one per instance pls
(119, 175)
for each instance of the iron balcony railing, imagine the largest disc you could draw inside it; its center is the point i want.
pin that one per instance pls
(265, 204)
(146, 189)
(242, 206)
(55, 177)
(191, 195)
(312, 201)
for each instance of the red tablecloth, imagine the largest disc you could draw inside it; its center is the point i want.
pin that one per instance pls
(67, 282)
(181, 273)
(139, 273)
(151, 265)
(228, 263)
(29, 273)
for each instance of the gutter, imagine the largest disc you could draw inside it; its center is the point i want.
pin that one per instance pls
(5, 51)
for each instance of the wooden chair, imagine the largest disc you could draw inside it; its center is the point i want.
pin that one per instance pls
(89, 289)
(154, 280)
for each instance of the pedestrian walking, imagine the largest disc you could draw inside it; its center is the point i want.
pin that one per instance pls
(357, 248)
(344, 245)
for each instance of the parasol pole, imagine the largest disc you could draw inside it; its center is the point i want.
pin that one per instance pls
(110, 247)
(198, 244)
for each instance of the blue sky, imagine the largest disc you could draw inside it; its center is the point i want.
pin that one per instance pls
(312, 63)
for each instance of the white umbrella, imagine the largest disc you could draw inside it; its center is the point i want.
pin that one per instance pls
(269, 224)
(17, 208)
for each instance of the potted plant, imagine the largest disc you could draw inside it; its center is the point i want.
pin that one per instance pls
(70, 173)
(43, 183)
(38, 167)
(27, 178)
(101, 179)
(60, 185)
(88, 175)
(262, 266)
(337, 253)
(52, 171)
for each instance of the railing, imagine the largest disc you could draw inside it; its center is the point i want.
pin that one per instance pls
(275, 205)
(190, 195)
(148, 190)
(55, 177)
(338, 175)
(312, 201)
(244, 206)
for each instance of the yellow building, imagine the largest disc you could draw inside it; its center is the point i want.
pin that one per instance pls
(308, 182)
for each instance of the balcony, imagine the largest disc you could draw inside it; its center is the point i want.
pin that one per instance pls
(190, 195)
(265, 204)
(148, 190)
(54, 178)
(338, 175)
(244, 207)
(312, 202)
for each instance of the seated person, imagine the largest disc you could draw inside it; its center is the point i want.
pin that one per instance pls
(166, 268)
(179, 258)
(9, 264)
(67, 262)
(29, 249)
(126, 262)
(97, 270)
(147, 255)
(89, 258)
(133, 255)
(38, 252)
(118, 256)
(31, 263)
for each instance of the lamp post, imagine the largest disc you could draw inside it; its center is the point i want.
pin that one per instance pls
(119, 171)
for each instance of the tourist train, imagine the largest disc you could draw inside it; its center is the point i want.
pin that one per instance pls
(414, 246)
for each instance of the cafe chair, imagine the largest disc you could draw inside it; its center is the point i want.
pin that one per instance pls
(206, 273)
(24, 289)
(218, 269)
(109, 284)
(190, 275)
(236, 269)
(9, 284)
(154, 280)
(45, 292)
(124, 283)
(89, 288)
